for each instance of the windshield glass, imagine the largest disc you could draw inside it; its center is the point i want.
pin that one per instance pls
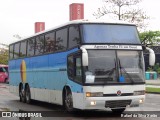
(131, 65)
(108, 33)
(105, 67)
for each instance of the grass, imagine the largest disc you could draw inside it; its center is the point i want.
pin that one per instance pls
(153, 90)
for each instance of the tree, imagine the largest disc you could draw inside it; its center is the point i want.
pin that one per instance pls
(4, 54)
(150, 37)
(126, 10)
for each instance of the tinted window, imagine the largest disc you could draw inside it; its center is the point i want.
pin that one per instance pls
(11, 51)
(78, 76)
(16, 50)
(74, 38)
(71, 71)
(30, 47)
(50, 42)
(39, 45)
(103, 33)
(23, 49)
(74, 68)
(61, 39)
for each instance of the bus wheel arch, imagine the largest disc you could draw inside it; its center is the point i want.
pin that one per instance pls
(67, 98)
(27, 94)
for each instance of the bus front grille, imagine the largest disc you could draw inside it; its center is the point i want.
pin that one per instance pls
(117, 103)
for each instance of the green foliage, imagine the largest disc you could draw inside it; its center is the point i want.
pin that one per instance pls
(4, 56)
(150, 37)
(150, 69)
(156, 68)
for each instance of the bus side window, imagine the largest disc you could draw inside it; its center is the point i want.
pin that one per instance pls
(74, 37)
(11, 51)
(71, 67)
(23, 49)
(78, 69)
(39, 47)
(16, 50)
(30, 47)
(50, 42)
(61, 39)
(74, 68)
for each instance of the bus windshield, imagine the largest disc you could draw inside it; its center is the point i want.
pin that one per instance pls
(110, 33)
(107, 68)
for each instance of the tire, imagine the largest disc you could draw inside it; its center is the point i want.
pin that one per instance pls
(27, 95)
(5, 80)
(22, 94)
(68, 101)
(118, 111)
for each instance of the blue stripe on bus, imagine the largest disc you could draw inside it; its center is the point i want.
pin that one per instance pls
(46, 71)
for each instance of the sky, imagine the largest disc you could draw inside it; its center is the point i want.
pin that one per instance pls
(19, 16)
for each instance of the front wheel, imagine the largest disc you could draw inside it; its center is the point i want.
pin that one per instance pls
(68, 101)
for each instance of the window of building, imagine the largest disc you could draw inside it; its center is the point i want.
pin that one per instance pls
(74, 37)
(11, 52)
(39, 45)
(16, 50)
(61, 39)
(50, 42)
(31, 47)
(23, 48)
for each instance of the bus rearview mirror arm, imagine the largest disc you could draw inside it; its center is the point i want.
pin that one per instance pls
(84, 56)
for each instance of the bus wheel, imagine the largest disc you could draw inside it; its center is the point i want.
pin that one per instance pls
(68, 101)
(118, 111)
(27, 95)
(21, 94)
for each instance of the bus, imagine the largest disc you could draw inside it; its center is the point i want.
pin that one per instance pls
(4, 76)
(82, 64)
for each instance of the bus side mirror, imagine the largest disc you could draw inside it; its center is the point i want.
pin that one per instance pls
(151, 56)
(84, 57)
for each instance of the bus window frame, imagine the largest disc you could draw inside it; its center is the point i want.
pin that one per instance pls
(79, 54)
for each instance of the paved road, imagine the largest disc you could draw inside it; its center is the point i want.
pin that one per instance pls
(10, 102)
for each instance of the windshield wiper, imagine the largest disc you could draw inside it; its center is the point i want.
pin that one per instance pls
(124, 70)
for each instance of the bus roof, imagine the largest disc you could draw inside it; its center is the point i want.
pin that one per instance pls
(82, 21)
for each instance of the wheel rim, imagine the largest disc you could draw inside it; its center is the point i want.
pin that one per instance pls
(68, 101)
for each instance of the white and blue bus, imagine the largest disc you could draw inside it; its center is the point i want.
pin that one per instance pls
(82, 64)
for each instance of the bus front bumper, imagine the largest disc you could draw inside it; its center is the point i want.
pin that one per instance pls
(113, 102)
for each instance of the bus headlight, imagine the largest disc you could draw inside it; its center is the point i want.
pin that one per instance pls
(141, 92)
(94, 94)
(141, 101)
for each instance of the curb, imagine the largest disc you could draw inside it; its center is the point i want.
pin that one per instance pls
(152, 93)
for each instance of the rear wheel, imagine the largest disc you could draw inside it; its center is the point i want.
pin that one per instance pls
(68, 101)
(27, 94)
(22, 94)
